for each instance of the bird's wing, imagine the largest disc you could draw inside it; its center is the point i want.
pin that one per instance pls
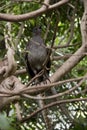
(28, 66)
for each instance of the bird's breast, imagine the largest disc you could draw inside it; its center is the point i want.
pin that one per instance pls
(37, 57)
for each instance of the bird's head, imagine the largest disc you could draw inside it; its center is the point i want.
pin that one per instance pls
(37, 30)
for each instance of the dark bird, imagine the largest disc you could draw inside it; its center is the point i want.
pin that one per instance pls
(38, 63)
(37, 56)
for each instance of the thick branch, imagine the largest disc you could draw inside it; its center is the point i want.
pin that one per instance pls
(33, 14)
(69, 64)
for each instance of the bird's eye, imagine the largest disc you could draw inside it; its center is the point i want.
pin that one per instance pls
(39, 27)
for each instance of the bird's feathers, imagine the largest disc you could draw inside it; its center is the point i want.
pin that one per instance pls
(36, 54)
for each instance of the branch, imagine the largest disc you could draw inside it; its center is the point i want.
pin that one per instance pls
(12, 87)
(8, 66)
(12, 65)
(9, 85)
(4, 101)
(74, 60)
(37, 1)
(20, 89)
(84, 24)
(69, 64)
(65, 56)
(53, 104)
(19, 35)
(76, 57)
(62, 93)
(33, 14)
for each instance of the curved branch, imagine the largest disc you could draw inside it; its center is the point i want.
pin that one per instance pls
(33, 14)
(51, 105)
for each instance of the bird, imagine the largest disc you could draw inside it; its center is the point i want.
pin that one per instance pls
(38, 63)
(37, 56)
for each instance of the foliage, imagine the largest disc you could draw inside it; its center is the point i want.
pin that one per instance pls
(5, 123)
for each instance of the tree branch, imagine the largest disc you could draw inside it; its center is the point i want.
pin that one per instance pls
(69, 64)
(33, 14)
(51, 105)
